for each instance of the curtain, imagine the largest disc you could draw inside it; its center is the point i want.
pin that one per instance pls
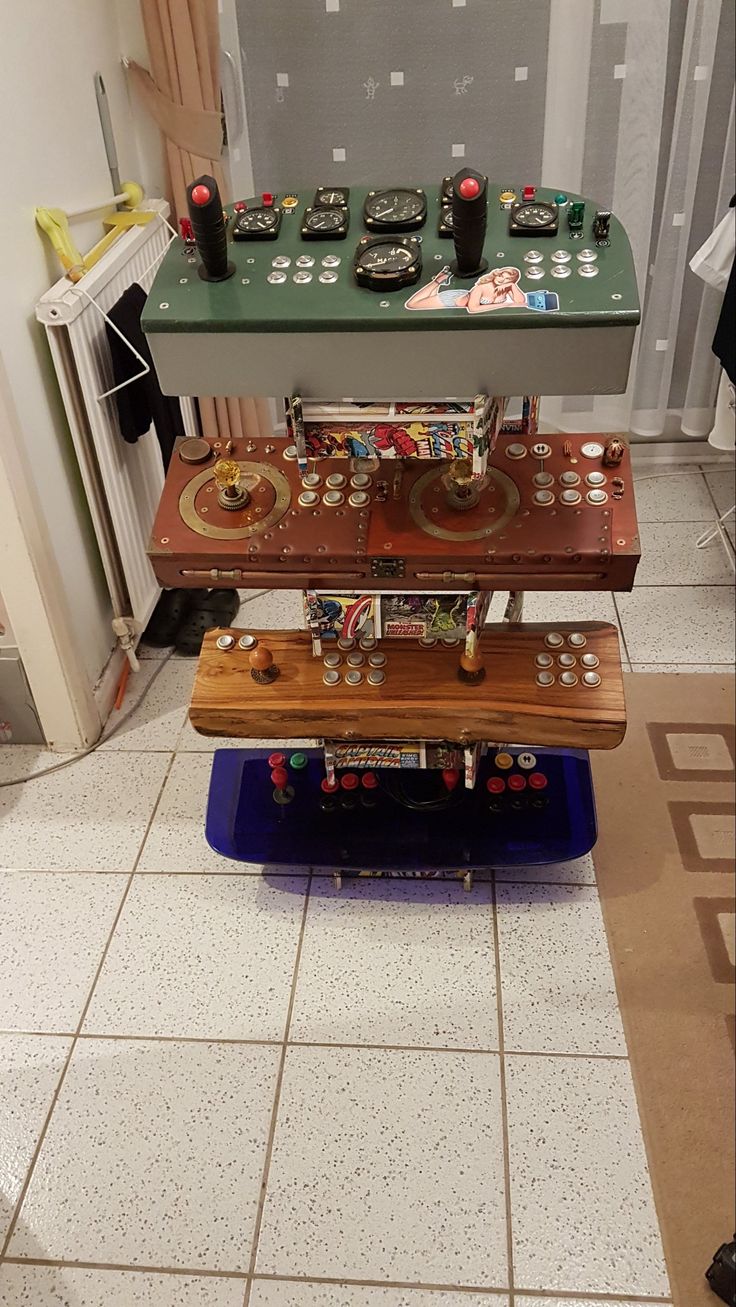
(627, 101)
(182, 92)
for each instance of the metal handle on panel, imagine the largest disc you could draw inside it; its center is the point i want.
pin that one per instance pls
(231, 96)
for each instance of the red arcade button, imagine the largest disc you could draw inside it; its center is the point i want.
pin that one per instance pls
(517, 782)
(349, 781)
(538, 780)
(369, 780)
(495, 785)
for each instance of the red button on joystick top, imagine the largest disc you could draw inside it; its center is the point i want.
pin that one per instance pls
(201, 194)
(280, 777)
(450, 776)
(469, 188)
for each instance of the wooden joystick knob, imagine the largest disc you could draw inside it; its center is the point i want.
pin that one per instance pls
(472, 667)
(262, 667)
(261, 658)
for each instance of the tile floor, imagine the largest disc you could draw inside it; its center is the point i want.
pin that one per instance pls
(219, 1089)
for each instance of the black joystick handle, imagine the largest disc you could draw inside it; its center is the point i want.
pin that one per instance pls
(469, 219)
(210, 233)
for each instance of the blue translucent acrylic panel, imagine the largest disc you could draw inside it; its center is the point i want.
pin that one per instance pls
(408, 824)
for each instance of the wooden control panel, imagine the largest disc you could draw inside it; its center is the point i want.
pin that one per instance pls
(559, 686)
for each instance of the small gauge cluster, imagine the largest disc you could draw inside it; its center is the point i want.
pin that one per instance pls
(389, 256)
(387, 262)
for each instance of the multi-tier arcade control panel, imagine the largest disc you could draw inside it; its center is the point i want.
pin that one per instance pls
(400, 510)
(453, 288)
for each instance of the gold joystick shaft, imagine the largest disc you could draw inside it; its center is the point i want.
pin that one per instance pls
(227, 477)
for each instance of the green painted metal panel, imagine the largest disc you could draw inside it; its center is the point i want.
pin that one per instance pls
(247, 303)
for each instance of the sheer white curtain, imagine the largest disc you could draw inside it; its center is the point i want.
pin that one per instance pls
(628, 101)
(671, 140)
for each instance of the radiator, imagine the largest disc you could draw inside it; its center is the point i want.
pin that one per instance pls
(123, 482)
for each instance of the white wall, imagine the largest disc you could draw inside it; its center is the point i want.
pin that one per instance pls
(52, 154)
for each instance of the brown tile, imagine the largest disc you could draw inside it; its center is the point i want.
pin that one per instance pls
(693, 751)
(717, 919)
(705, 834)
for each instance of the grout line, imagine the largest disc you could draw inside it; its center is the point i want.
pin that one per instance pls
(544, 1295)
(434, 1287)
(80, 1023)
(90, 1036)
(139, 1267)
(504, 1101)
(575, 1295)
(276, 1101)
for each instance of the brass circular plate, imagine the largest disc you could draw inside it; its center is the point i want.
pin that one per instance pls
(250, 524)
(509, 496)
(194, 450)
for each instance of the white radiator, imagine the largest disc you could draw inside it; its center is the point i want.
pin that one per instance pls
(123, 482)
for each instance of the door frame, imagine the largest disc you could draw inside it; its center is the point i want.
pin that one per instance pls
(33, 594)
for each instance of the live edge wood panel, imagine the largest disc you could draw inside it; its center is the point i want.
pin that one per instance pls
(421, 698)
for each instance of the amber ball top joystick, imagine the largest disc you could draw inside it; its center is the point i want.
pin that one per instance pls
(227, 476)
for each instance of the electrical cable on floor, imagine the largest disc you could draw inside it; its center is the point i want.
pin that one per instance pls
(108, 735)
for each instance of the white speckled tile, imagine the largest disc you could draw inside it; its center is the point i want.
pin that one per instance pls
(387, 1165)
(523, 1301)
(156, 721)
(53, 930)
(579, 871)
(30, 1066)
(669, 556)
(582, 1212)
(397, 962)
(678, 624)
(562, 606)
(557, 983)
(176, 840)
(190, 741)
(723, 668)
(209, 957)
(152, 652)
(154, 1155)
(671, 494)
(76, 1286)
(277, 610)
(90, 817)
(280, 1293)
(722, 485)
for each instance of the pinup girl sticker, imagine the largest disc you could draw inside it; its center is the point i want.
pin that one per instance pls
(496, 289)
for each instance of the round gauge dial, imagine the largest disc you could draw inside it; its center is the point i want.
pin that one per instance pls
(332, 197)
(325, 219)
(535, 215)
(256, 221)
(395, 210)
(386, 264)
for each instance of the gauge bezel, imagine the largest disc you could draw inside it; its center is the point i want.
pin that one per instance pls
(337, 233)
(391, 225)
(374, 280)
(270, 233)
(444, 222)
(517, 227)
(320, 203)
